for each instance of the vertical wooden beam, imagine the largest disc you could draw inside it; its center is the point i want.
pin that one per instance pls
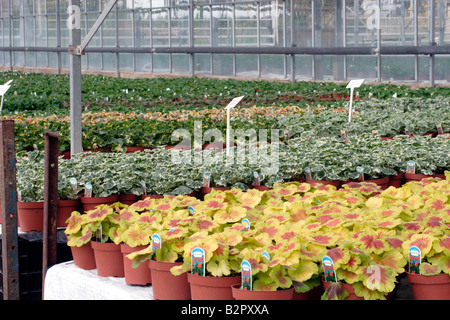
(8, 200)
(49, 242)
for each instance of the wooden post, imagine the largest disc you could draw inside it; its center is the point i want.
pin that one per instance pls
(49, 241)
(8, 200)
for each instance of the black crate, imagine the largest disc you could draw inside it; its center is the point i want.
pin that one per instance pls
(30, 263)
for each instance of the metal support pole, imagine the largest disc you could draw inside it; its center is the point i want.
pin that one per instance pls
(431, 17)
(379, 41)
(8, 200)
(50, 203)
(76, 144)
(293, 44)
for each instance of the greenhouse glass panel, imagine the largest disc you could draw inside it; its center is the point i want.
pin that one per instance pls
(126, 61)
(246, 65)
(272, 65)
(202, 26)
(180, 63)
(395, 68)
(202, 63)
(179, 26)
(222, 65)
(303, 64)
(143, 62)
(160, 27)
(222, 26)
(361, 67)
(246, 24)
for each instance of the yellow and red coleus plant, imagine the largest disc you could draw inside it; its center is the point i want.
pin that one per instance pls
(365, 231)
(83, 228)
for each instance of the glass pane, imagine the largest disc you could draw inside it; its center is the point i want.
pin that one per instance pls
(272, 65)
(202, 29)
(180, 63)
(246, 65)
(397, 68)
(202, 63)
(246, 25)
(179, 26)
(361, 67)
(222, 64)
(160, 27)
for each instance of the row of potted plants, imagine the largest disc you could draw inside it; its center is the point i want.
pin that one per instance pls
(51, 93)
(284, 234)
(328, 160)
(122, 131)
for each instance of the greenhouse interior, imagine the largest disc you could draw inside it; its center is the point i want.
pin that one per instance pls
(225, 150)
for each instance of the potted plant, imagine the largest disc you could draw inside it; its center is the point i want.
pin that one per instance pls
(30, 189)
(168, 240)
(425, 241)
(134, 234)
(68, 192)
(98, 178)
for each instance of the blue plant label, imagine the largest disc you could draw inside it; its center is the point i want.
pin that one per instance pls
(266, 255)
(88, 190)
(328, 269)
(73, 183)
(246, 276)
(156, 244)
(256, 179)
(415, 258)
(191, 211)
(308, 173)
(360, 171)
(198, 261)
(246, 223)
(206, 180)
(411, 167)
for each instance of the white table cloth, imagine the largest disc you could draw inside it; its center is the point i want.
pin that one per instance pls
(65, 281)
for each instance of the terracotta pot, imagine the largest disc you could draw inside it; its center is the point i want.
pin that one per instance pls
(335, 183)
(30, 216)
(91, 203)
(396, 180)
(65, 208)
(165, 285)
(239, 294)
(134, 149)
(83, 257)
(152, 196)
(261, 188)
(435, 287)
(212, 288)
(348, 287)
(418, 177)
(108, 259)
(383, 183)
(135, 276)
(128, 199)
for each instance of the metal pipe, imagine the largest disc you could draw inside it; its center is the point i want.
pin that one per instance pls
(49, 242)
(8, 199)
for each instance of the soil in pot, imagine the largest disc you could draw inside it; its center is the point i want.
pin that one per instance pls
(65, 208)
(89, 203)
(165, 285)
(135, 276)
(30, 216)
(83, 257)
(239, 294)
(212, 288)
(435, 287)
(108, 259)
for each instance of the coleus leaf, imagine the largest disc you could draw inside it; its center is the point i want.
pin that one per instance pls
(303, 270)
(335, 291)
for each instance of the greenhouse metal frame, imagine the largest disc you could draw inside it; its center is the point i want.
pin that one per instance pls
(380, 40)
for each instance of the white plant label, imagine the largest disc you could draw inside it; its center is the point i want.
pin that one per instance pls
(232, 104)
(352, 85)
(3, 89)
